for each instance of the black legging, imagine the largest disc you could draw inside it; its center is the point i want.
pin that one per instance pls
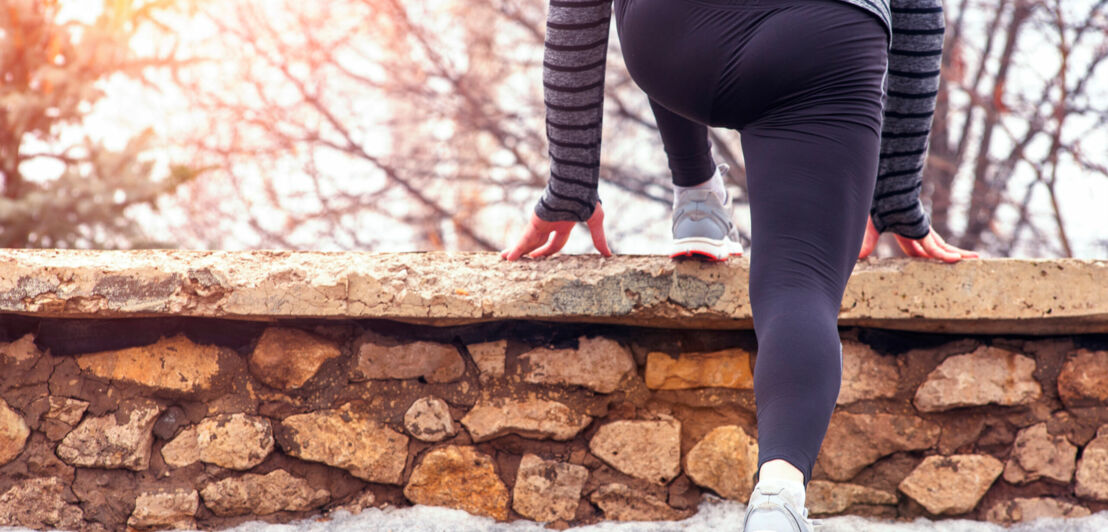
(802, 81)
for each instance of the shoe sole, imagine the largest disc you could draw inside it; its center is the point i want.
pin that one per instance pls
(704, 248)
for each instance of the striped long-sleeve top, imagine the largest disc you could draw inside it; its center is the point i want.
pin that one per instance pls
(573, 79)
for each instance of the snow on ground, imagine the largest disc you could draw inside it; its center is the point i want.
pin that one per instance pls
(715, 516)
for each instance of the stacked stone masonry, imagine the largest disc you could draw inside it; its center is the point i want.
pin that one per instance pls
(165, 422)
(215, 423)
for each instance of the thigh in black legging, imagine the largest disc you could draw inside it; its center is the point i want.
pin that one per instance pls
(673, 50)
(810, 137)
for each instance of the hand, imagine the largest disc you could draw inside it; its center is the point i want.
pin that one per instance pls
(538, 233)
(931, 246)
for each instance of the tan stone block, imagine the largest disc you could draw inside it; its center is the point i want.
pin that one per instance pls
(547, 490)
(1084, 379)
(855, 441)
(1021, 509)
(165, 509)
(359, 503)
(489, 357)
(833, 497)
(233, 441)
(175, 364)
(286, 358)
(989, 375)
(598, 364)
(621, 503)
(63, 415)
(22, 353)
(437, 363)
(461, 478)
(721, 369)
(866, 374)
(347, 439)
(531, 418)
(253, 494)
(1037, 454)
(951, 485)
(649, 450)
(39, 503)
(13, 433)
(428, 419)
(725, 461)
(1092, 468)
(119, 440)
(66, 410)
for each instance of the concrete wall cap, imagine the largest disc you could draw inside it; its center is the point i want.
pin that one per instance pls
(994, 296)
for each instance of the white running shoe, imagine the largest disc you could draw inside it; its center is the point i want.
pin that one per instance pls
(702, 224)
(772, 509)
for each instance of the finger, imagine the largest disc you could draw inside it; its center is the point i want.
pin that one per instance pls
(910, 247)
(867, 248)
(904, 246)
(934, 250)
(596, 229)
(528, 243)
(917, 250)
(962, 253)
(869, 243)
(599, 241)
(555, 245)
(966, 254)
(931, 245)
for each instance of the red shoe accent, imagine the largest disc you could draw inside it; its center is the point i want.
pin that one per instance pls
(699, 255)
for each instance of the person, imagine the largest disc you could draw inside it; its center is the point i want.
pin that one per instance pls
(833, 100)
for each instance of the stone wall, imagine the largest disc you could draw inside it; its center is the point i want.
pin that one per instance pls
(171, 415)
(217, 422)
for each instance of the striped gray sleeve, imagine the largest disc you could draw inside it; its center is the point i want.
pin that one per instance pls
(573, 84)
(915, 59)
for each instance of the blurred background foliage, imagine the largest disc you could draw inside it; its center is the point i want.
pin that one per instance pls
(51, 74)
(418, 125)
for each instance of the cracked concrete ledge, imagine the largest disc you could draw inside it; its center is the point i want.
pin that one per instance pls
(995, 296)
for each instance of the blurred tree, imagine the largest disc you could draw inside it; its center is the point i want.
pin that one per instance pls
(1020, 111)
(391, 124)
(418, 124)
(58, 190)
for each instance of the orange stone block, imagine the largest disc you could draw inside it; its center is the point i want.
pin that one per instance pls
(175, 364)
(461, 478)
(729, 368)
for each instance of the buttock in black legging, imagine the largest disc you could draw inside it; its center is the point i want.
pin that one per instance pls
(802, 81)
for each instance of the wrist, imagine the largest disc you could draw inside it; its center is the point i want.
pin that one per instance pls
(553, 207)
(913, 224)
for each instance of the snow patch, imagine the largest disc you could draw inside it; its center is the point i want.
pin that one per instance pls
(714, 515)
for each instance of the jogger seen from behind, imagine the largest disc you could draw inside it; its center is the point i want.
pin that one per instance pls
(833, 100)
